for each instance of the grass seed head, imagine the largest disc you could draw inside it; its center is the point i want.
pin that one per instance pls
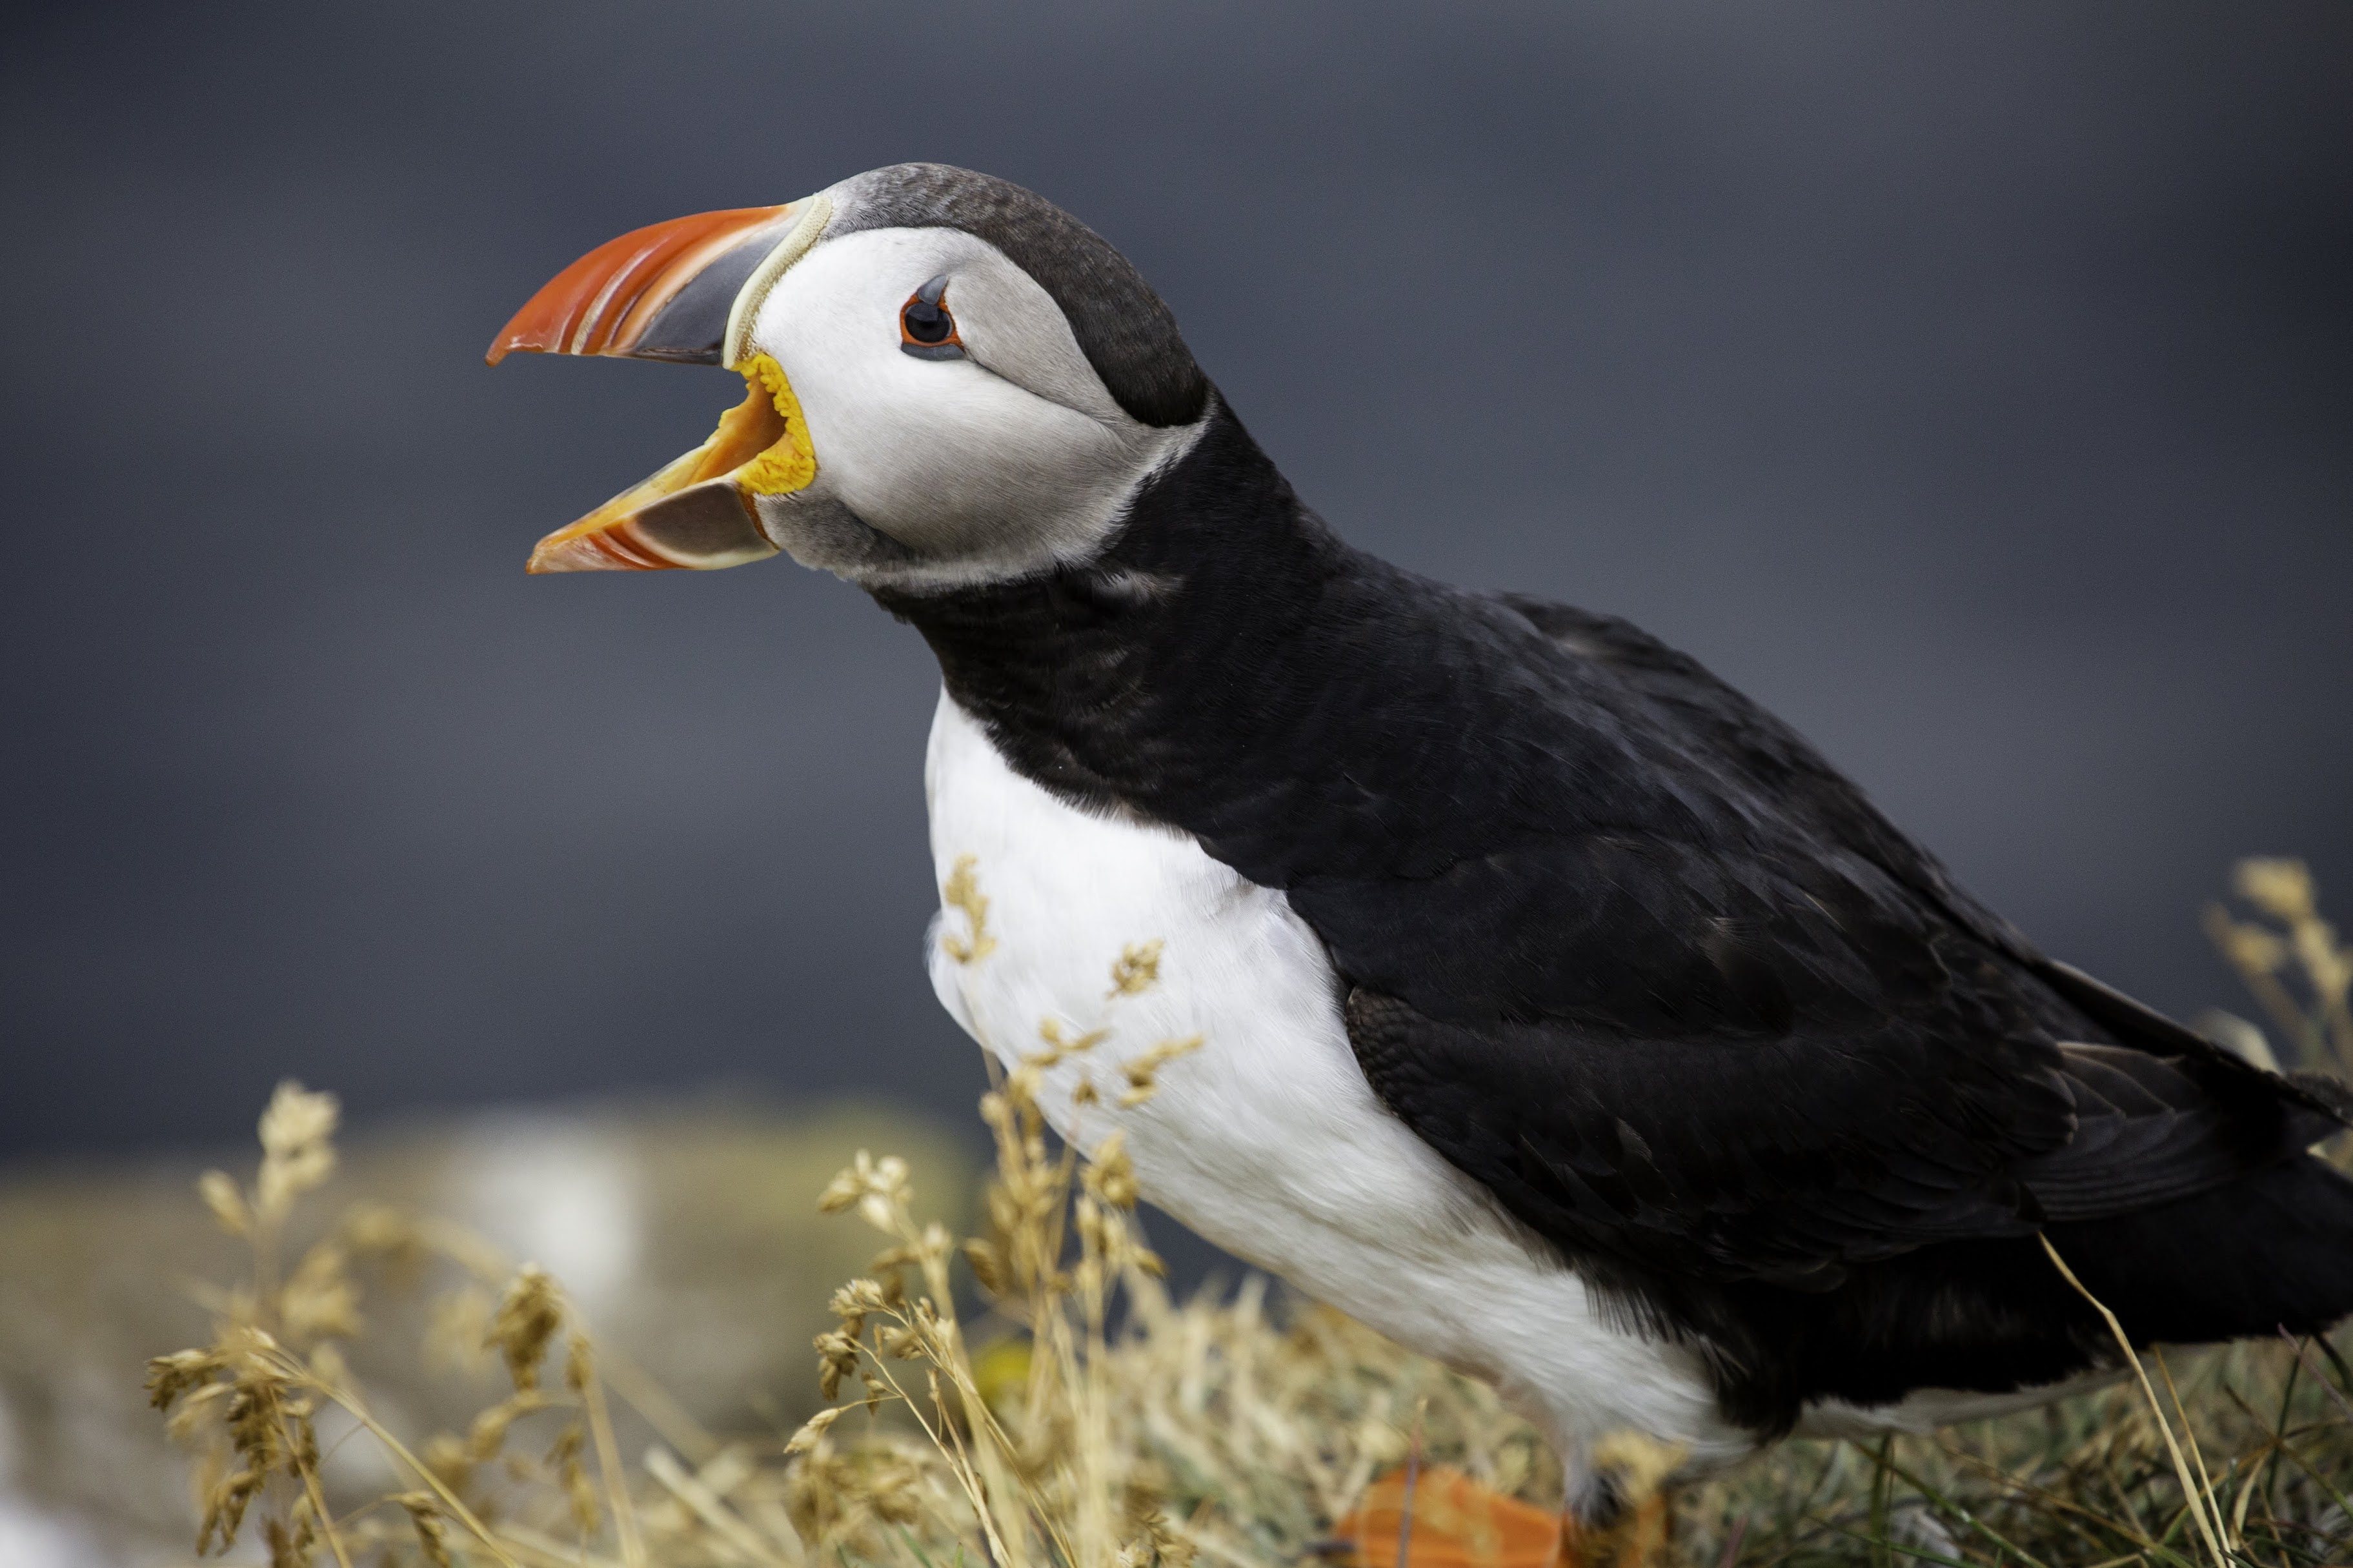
(2249, 948)
(986, 1263)
(171, 1376)
(877, 1189)
(220, 1193)
(432, 1529)
(1111, 1174)
(292, 1538)
(567, 1457)
(1142, 1072)
(811, 1430)
(297, 1149)
(962, 893)
(838, 1356)
(224, 1508)
(1136, 970)
(2327, 964)
(2281, 889)
(487, 1436)
(525, 1322)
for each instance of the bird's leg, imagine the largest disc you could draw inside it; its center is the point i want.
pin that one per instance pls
(1619, 1512)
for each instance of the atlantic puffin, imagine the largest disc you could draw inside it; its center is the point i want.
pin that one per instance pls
(1566, 1016)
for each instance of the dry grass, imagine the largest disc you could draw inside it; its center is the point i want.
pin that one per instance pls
(1031, 1397)
(2294, 964)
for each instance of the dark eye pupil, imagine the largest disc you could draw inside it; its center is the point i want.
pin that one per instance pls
(927, 323)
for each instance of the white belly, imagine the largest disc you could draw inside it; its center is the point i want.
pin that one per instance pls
(1267, 1139)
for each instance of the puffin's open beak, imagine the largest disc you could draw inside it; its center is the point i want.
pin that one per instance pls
(683, 291)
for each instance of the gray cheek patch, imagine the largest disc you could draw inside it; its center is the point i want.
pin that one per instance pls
(822, 533)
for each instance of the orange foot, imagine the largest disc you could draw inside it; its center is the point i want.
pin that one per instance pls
(1458, 1523)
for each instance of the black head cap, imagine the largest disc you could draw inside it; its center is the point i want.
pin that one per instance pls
(1125, 328)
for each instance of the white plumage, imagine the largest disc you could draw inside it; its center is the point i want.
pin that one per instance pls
(1268, 1141)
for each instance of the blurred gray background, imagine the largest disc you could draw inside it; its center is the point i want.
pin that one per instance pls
(1970, 384)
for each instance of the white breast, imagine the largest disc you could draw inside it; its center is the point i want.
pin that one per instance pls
(1267, 1139)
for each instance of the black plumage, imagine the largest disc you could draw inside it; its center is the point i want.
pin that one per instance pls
(1622, 946)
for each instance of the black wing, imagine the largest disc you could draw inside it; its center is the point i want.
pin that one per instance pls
(1732, 1025)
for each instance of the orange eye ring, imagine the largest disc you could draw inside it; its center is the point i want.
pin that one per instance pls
(926, 328)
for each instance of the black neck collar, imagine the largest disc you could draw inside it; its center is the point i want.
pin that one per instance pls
(1124, 684)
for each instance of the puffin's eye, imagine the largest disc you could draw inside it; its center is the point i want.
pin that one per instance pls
(926, 330)
(926, 324)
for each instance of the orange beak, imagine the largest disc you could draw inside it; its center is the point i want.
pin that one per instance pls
(684, 291)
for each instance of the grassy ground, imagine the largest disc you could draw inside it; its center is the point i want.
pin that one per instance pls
(684, 1229)
(1028, 1397)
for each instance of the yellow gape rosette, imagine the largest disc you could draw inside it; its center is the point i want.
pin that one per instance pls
(789, 463)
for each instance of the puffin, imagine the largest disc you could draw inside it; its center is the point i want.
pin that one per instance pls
(1562, 1014)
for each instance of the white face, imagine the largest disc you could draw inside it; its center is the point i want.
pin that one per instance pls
(1006, 461)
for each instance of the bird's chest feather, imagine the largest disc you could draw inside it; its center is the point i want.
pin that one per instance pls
(1242, 1124)
(1265, 1138)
